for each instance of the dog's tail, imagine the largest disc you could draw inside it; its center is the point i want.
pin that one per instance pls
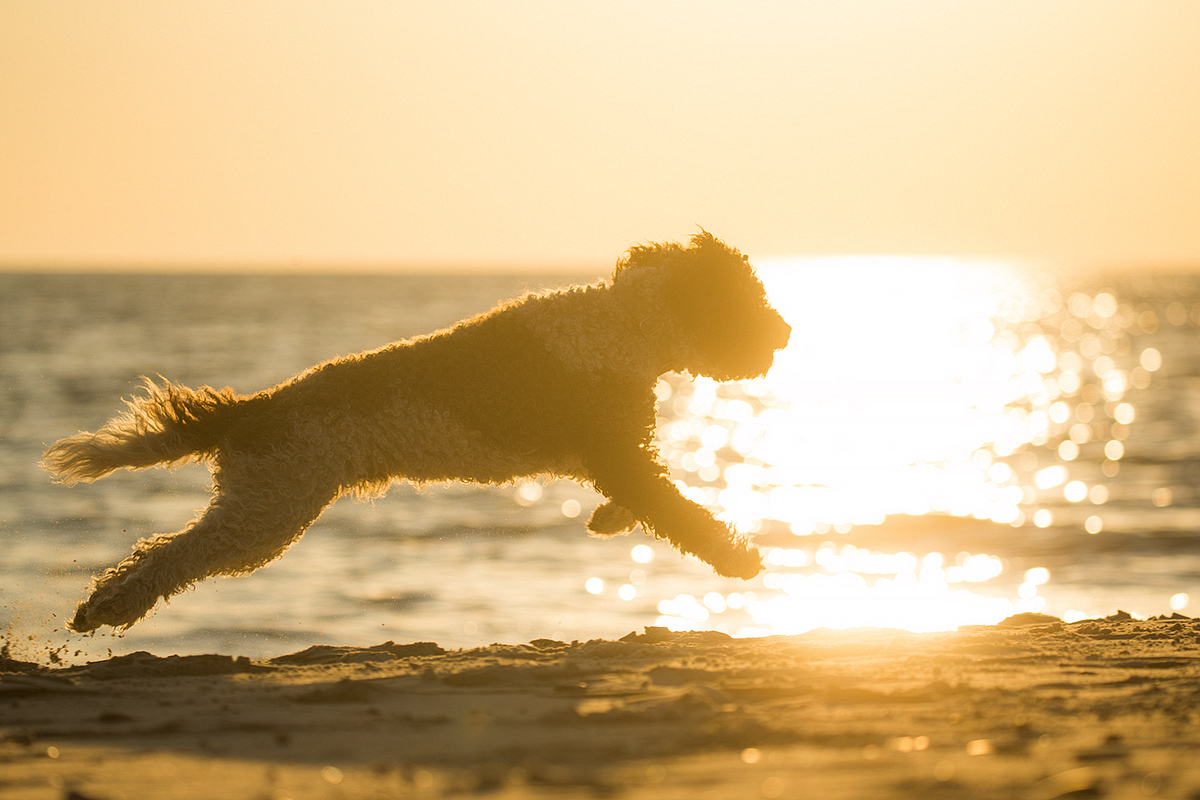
(168, 423)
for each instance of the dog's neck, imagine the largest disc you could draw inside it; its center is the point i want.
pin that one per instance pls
(645, 309)
(642, 291)
(603, 329)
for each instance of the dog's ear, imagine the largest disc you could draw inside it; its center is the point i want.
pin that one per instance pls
(716, 261)
(714, 295)
(705, 261)
(708, 279)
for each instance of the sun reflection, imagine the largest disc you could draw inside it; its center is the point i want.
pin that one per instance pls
(905, 591)
(911, 386)
(940, 389)
(895, 379)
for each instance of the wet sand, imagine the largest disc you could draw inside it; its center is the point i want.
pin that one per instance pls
(1031, 708)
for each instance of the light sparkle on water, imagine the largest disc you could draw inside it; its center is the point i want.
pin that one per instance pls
(911, 386)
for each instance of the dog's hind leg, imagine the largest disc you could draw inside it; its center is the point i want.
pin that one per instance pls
(610, 519)
(238, 533)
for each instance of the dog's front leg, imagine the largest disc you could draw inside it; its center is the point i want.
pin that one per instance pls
(634, 480)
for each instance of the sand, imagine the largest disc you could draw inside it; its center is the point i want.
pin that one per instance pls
(1031, 708)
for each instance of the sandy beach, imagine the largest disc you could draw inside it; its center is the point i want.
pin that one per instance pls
(1031, 708)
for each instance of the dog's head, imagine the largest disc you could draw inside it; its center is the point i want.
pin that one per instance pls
(715, 307)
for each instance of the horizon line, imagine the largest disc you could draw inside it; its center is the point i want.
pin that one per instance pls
(295, 266)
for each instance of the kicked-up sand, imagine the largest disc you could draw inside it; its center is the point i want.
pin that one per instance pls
(1030, 708)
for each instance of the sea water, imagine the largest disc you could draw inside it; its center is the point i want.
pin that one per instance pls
(943, 443)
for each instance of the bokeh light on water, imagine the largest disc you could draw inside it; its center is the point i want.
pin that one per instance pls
(973, 390)
(1030, 440)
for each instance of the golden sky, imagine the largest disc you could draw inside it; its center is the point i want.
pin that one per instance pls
(558, 133)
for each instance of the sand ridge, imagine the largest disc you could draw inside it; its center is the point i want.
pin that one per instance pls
(1032, 707)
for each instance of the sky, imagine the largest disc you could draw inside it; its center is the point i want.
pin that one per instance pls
(555, 134)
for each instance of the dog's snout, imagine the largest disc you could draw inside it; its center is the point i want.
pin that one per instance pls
(782, 332)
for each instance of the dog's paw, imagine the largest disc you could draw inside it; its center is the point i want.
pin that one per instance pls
(741, 560)
(113, 602)
(722, 548)
(610, 519)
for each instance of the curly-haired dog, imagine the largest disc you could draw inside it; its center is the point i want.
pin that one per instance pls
(559, 384)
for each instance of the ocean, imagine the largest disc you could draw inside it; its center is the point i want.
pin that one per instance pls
(944, 443)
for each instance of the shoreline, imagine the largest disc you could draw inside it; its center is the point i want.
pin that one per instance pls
(1032, 707)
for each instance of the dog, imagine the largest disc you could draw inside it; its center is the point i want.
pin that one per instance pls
(558, 384)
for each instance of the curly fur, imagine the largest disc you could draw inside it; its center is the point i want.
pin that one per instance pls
(559, 383)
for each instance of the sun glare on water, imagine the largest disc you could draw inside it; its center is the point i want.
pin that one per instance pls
(902, 392)
(893, 382)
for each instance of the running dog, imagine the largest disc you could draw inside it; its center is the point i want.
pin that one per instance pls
(558, 383)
